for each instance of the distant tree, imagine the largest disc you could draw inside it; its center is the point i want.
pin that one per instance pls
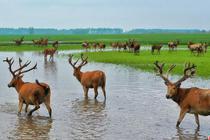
(31, 30)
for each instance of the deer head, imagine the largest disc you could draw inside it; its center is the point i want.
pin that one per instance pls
(18, 73)
(172, 88)
(77, 68)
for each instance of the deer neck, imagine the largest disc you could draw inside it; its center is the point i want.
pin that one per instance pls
(79, 76)
(180, 96)
(19, 85)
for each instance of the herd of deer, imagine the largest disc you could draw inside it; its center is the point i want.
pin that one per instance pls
(37, 93)
(192, 100)
(100, 46)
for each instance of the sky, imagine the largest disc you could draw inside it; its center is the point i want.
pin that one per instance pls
(126, 14)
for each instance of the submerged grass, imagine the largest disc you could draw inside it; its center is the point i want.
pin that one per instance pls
(145, 60)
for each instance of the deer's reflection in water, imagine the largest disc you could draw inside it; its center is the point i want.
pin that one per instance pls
(36, 127)
(184, 134)
(50, 68)
(89, 119)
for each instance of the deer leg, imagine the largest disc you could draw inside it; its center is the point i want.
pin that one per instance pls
(36, 108)
(26, 108)
(96, 91)
(197, 120)
(104, 92)
(181, 116)
(47, 104)
(85, 91)
(20, 106)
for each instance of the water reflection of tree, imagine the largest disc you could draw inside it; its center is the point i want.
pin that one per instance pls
(32, 128)
(88, 119)
(183, 135)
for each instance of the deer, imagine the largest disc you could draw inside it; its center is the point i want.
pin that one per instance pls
(28, 93)
(50, 52)
(196, 48)
(156, 47)
(55, 44)
(136, 48)
(88, 79)
(191, 100)
(173, 45)
(114, 45)
(18, 42)
(44, 42)
(85, 45)
(36, 42)
(101, 46)
(123, 46)
(95, 45)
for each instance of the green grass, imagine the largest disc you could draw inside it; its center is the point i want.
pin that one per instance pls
(145, 60)
(143, 38)
(35, 48)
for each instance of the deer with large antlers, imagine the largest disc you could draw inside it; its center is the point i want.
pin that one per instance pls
(190, 100)
(29, 93)
(89, 79)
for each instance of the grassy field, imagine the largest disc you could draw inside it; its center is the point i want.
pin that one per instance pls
(142, 38)
(145, 60)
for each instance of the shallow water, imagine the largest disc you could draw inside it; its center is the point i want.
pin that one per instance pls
(136, 107)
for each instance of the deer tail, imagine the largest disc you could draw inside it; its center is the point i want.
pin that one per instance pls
(46, 88)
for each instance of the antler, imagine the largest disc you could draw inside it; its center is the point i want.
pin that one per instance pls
(70, 61)
(19, 70)
(159, 70)
(24, 66)
(10, 62)
(189, 71)
(84, 61)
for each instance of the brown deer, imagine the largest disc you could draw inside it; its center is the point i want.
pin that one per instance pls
(86, 45)
(95, 45)
(44, 42)
(136, 48)
(156, 47)
(50, 52)
(196, 48)
(101, 46)
(190, 100)
(18, 42)
(29, 93)
(114, 45)
(173, 45)
(89, 79)
(36, 42)
(55, 44)
(122, 46)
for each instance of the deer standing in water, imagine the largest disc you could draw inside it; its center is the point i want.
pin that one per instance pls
(28, 93)
(192, 100)
(89, 79)
(50, 52)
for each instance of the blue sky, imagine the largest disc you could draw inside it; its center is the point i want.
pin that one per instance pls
(126, 14)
